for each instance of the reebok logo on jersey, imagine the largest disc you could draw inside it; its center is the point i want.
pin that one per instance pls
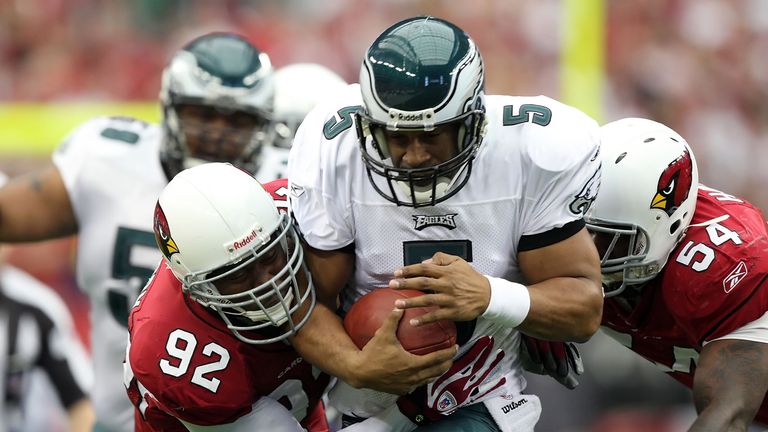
(445, 221)
(296, 190)
(737, 275)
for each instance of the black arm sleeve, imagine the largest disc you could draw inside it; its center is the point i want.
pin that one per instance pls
(536, 241)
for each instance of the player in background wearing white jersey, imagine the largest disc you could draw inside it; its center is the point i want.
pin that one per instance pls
(45, 371)
(415, 179)
(217, 96)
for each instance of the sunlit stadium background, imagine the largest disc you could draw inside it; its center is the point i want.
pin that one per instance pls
(697, 65)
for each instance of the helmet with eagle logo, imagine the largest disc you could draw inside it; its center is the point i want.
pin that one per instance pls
(217, 96)
(422, 74)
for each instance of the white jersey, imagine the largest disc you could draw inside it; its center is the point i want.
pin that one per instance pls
(113, 174)
(532, 179)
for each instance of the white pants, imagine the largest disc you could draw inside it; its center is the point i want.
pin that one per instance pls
(512, 413)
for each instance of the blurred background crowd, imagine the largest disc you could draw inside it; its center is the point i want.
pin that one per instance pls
(697, 65)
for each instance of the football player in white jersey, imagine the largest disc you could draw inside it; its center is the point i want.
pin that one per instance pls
(413, 178)
(217, 95)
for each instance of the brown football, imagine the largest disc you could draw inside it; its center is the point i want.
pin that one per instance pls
(369, 312)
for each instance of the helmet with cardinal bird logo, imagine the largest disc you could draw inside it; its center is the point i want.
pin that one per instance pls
(646, 201)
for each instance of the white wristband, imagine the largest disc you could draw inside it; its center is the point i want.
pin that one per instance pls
(510, 302)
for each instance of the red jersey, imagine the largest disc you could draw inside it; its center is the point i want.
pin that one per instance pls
(185, 364)
(711, 285)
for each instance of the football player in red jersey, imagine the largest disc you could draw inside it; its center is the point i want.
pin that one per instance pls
(206, 335)
(209, 334)
(683, 270)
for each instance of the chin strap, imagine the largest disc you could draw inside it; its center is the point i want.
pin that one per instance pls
(423, 194)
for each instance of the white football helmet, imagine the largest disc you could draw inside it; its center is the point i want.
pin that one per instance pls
(645, 203)
(212, 221)
(421, 73)
(298, 88)
(222, 71)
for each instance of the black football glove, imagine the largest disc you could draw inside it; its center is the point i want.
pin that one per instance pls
(560, 360)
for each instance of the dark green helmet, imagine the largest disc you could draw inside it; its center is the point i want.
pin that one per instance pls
(225, 72)
(421, 73)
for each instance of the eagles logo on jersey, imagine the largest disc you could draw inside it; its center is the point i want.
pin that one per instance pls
(163, 233)
(674, 184)
(584, 199)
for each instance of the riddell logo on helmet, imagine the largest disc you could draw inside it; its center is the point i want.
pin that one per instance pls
(245, 241)
(410, 117)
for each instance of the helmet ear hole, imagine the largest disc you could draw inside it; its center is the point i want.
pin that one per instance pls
(673, 228)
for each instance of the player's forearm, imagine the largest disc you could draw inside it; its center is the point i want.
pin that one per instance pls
(566, 297)
(330, 272)
(564, 309)
(730, 383)
(323, 342)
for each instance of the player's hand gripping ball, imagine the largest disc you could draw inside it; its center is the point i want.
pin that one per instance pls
(369, 312)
